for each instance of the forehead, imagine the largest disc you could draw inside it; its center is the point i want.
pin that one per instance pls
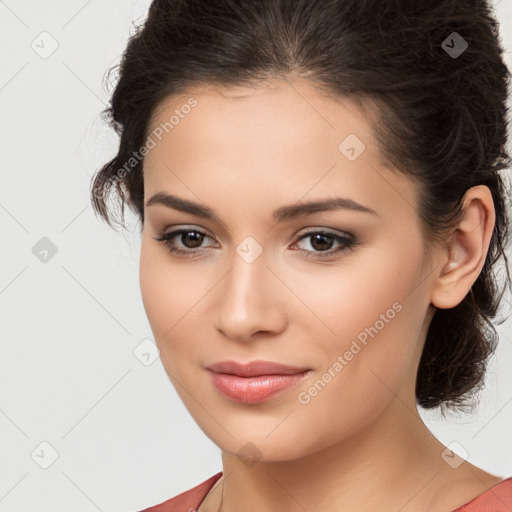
(283, 139)
(266, 123)
(262, 106)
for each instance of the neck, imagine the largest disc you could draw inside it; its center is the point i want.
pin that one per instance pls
(387, 464)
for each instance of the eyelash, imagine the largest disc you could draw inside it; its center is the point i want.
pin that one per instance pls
(348, 243)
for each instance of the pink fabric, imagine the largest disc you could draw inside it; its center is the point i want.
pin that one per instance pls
(496, 499)
(187, 501)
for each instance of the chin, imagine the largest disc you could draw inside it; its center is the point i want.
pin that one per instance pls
(252, 445)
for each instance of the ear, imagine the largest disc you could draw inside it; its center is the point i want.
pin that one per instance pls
(463, 256)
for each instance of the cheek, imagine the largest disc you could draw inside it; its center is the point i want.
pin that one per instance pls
(366, 290)
(152, 292)
(171, 294)
(374, 315)
(163, 291)
(359, 379)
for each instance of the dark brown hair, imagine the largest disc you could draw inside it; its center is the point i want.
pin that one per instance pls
(442, 118)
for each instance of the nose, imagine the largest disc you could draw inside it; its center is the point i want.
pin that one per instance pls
(250, 300)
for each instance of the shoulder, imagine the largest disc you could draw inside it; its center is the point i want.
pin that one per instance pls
(496, 499)
(187, 501)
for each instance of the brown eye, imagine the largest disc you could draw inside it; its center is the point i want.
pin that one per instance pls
(190, 239)
(193, 237)
(322, 242)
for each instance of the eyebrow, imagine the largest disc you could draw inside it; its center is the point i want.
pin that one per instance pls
(281, 214)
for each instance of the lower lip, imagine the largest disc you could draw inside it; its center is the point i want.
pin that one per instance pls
(253, 390)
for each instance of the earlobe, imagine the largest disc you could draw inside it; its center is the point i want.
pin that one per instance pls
(464, 254)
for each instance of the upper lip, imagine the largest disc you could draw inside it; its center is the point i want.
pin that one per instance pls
(255, 368)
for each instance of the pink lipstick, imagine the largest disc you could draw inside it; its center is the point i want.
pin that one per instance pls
(256, 381)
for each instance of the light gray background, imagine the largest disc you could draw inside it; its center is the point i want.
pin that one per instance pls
(69, 326)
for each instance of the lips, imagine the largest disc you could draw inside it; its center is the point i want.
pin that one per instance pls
(254, 382)
(255, 368)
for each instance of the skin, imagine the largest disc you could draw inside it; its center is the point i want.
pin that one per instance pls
(360, 443)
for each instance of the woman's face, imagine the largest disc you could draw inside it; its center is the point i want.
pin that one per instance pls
(351, 310)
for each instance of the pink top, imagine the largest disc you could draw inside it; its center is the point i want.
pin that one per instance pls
(495, 499)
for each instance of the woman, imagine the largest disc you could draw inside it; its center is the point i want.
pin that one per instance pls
(322, 210)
